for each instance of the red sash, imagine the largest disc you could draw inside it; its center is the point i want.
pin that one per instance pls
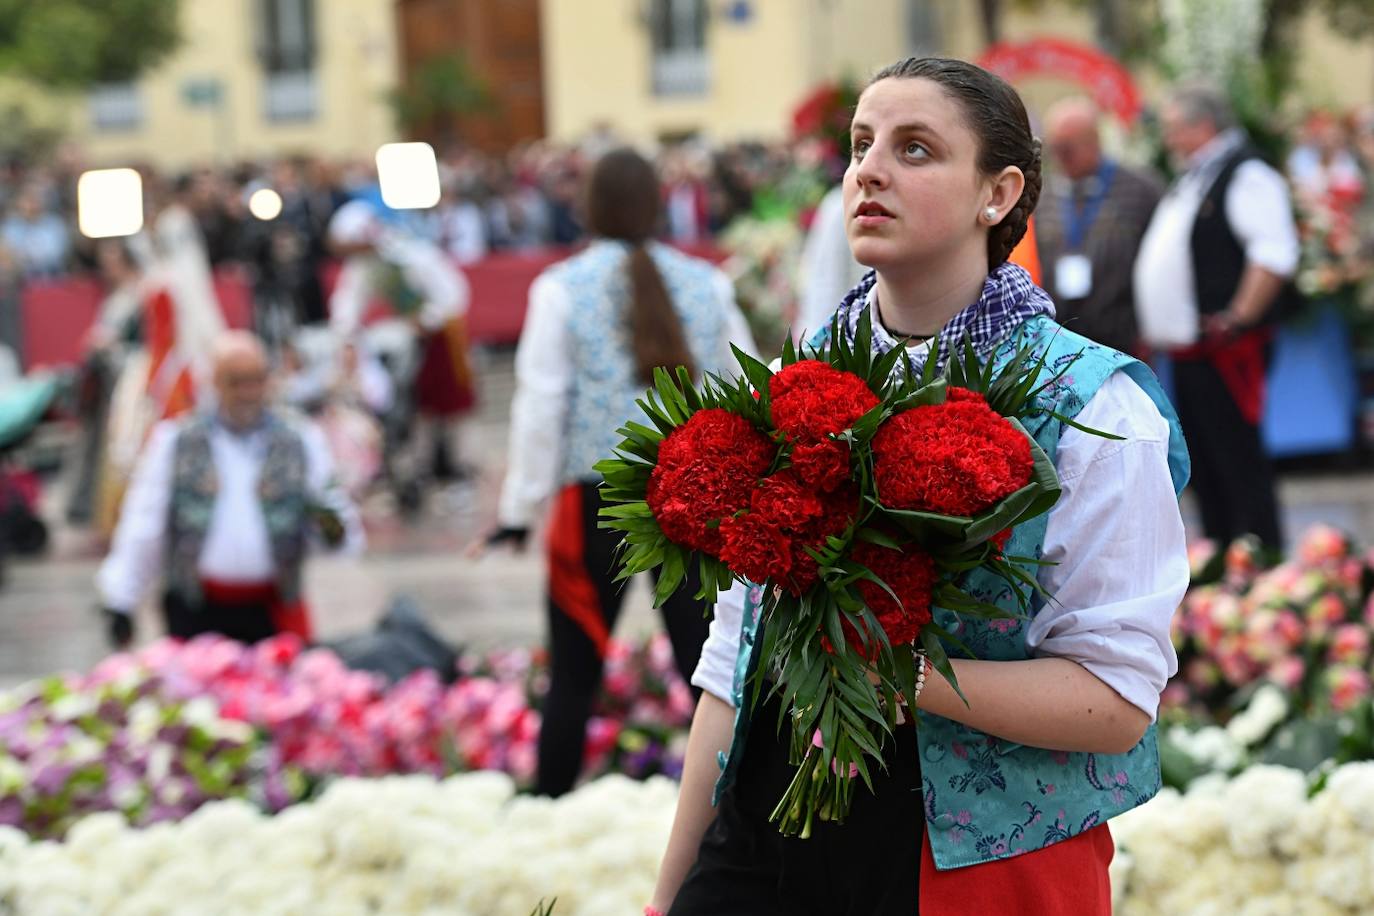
(1242, 363)
(287, 617)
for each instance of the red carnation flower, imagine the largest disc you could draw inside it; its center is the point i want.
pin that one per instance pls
(755, 547)
(911, 575)
(824, 465)
(812, 400)
(786, 501)
(804, 518)
(964, 394)
(956, 458)
(706, 472)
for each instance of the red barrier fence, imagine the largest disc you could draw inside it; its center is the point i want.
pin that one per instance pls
(57, 314)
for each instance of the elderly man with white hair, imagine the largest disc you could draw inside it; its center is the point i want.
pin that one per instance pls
(1089, 225)
(223, 509)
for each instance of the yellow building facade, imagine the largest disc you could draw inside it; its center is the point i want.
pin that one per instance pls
(253, 79)
(729, 69)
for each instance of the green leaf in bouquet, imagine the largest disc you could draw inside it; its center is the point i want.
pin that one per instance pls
(883, 374)
(859, 356)
(671, 575)
(1022, 583)
(874, 536)
(926, 395)
(789, 351)
(951, 597)
(866, 427)
(938, 658)
(687, 387)
(756, 372)
(927, 528)
(1067, 421)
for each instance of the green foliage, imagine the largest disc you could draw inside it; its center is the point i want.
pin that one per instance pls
(441, 90)
(22, 139)
(74, 44)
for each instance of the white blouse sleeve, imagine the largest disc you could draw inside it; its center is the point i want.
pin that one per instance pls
(1259, 208)
(1117, 539)
(715, 672)
(543, 379)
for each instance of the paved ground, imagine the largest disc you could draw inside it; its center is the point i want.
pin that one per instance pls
(48, 622)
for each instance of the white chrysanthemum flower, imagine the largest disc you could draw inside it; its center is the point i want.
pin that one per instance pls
(1266, 709)
(1262, 804)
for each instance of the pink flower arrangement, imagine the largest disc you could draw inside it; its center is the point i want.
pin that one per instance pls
(1303, 624)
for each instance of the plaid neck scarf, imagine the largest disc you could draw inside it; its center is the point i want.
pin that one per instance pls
(1009, 298)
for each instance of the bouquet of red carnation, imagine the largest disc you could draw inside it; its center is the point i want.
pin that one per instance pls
(858, 493)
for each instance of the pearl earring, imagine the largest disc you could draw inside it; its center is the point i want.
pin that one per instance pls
(990, 214)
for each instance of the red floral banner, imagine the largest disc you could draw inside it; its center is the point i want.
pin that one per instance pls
(1106, 80)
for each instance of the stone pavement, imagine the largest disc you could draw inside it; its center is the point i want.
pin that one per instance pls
(47, 607)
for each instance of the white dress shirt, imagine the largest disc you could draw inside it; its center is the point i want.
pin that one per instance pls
(237, 546)
(543, 379)
(1260, 214)
(1117, 539)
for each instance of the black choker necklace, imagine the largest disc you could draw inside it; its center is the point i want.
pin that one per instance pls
(920, 338)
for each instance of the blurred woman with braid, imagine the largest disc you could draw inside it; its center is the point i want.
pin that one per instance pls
(598, 325)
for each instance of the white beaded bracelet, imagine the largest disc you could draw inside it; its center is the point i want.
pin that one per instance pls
(920, 677)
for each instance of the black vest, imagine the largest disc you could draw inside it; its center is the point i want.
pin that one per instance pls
(1218, 257)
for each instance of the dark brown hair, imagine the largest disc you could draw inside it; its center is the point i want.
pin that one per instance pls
(997, 117)
(624, 203)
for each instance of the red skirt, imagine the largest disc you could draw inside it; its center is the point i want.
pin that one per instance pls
(1066, 879)
(444, 384)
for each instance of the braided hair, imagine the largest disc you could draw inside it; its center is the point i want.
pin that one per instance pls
(997, 117)
(623, 202)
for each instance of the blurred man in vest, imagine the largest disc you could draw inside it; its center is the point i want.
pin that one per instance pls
(1212, 274)
(223, 509)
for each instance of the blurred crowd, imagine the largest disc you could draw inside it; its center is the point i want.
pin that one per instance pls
(525, 199)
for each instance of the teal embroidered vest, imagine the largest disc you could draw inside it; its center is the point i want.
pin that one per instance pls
(986, 798)
(604, 384)
(281, 488)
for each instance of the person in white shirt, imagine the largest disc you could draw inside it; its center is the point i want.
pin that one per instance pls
(1212, 274)
(597, 326)
(385, 258)
(223, 508)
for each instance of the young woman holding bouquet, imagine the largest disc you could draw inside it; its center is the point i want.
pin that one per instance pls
(997, 805)
(597, 326)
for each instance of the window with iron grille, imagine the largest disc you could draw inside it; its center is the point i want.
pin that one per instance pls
(287, 50)
(677, 34)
